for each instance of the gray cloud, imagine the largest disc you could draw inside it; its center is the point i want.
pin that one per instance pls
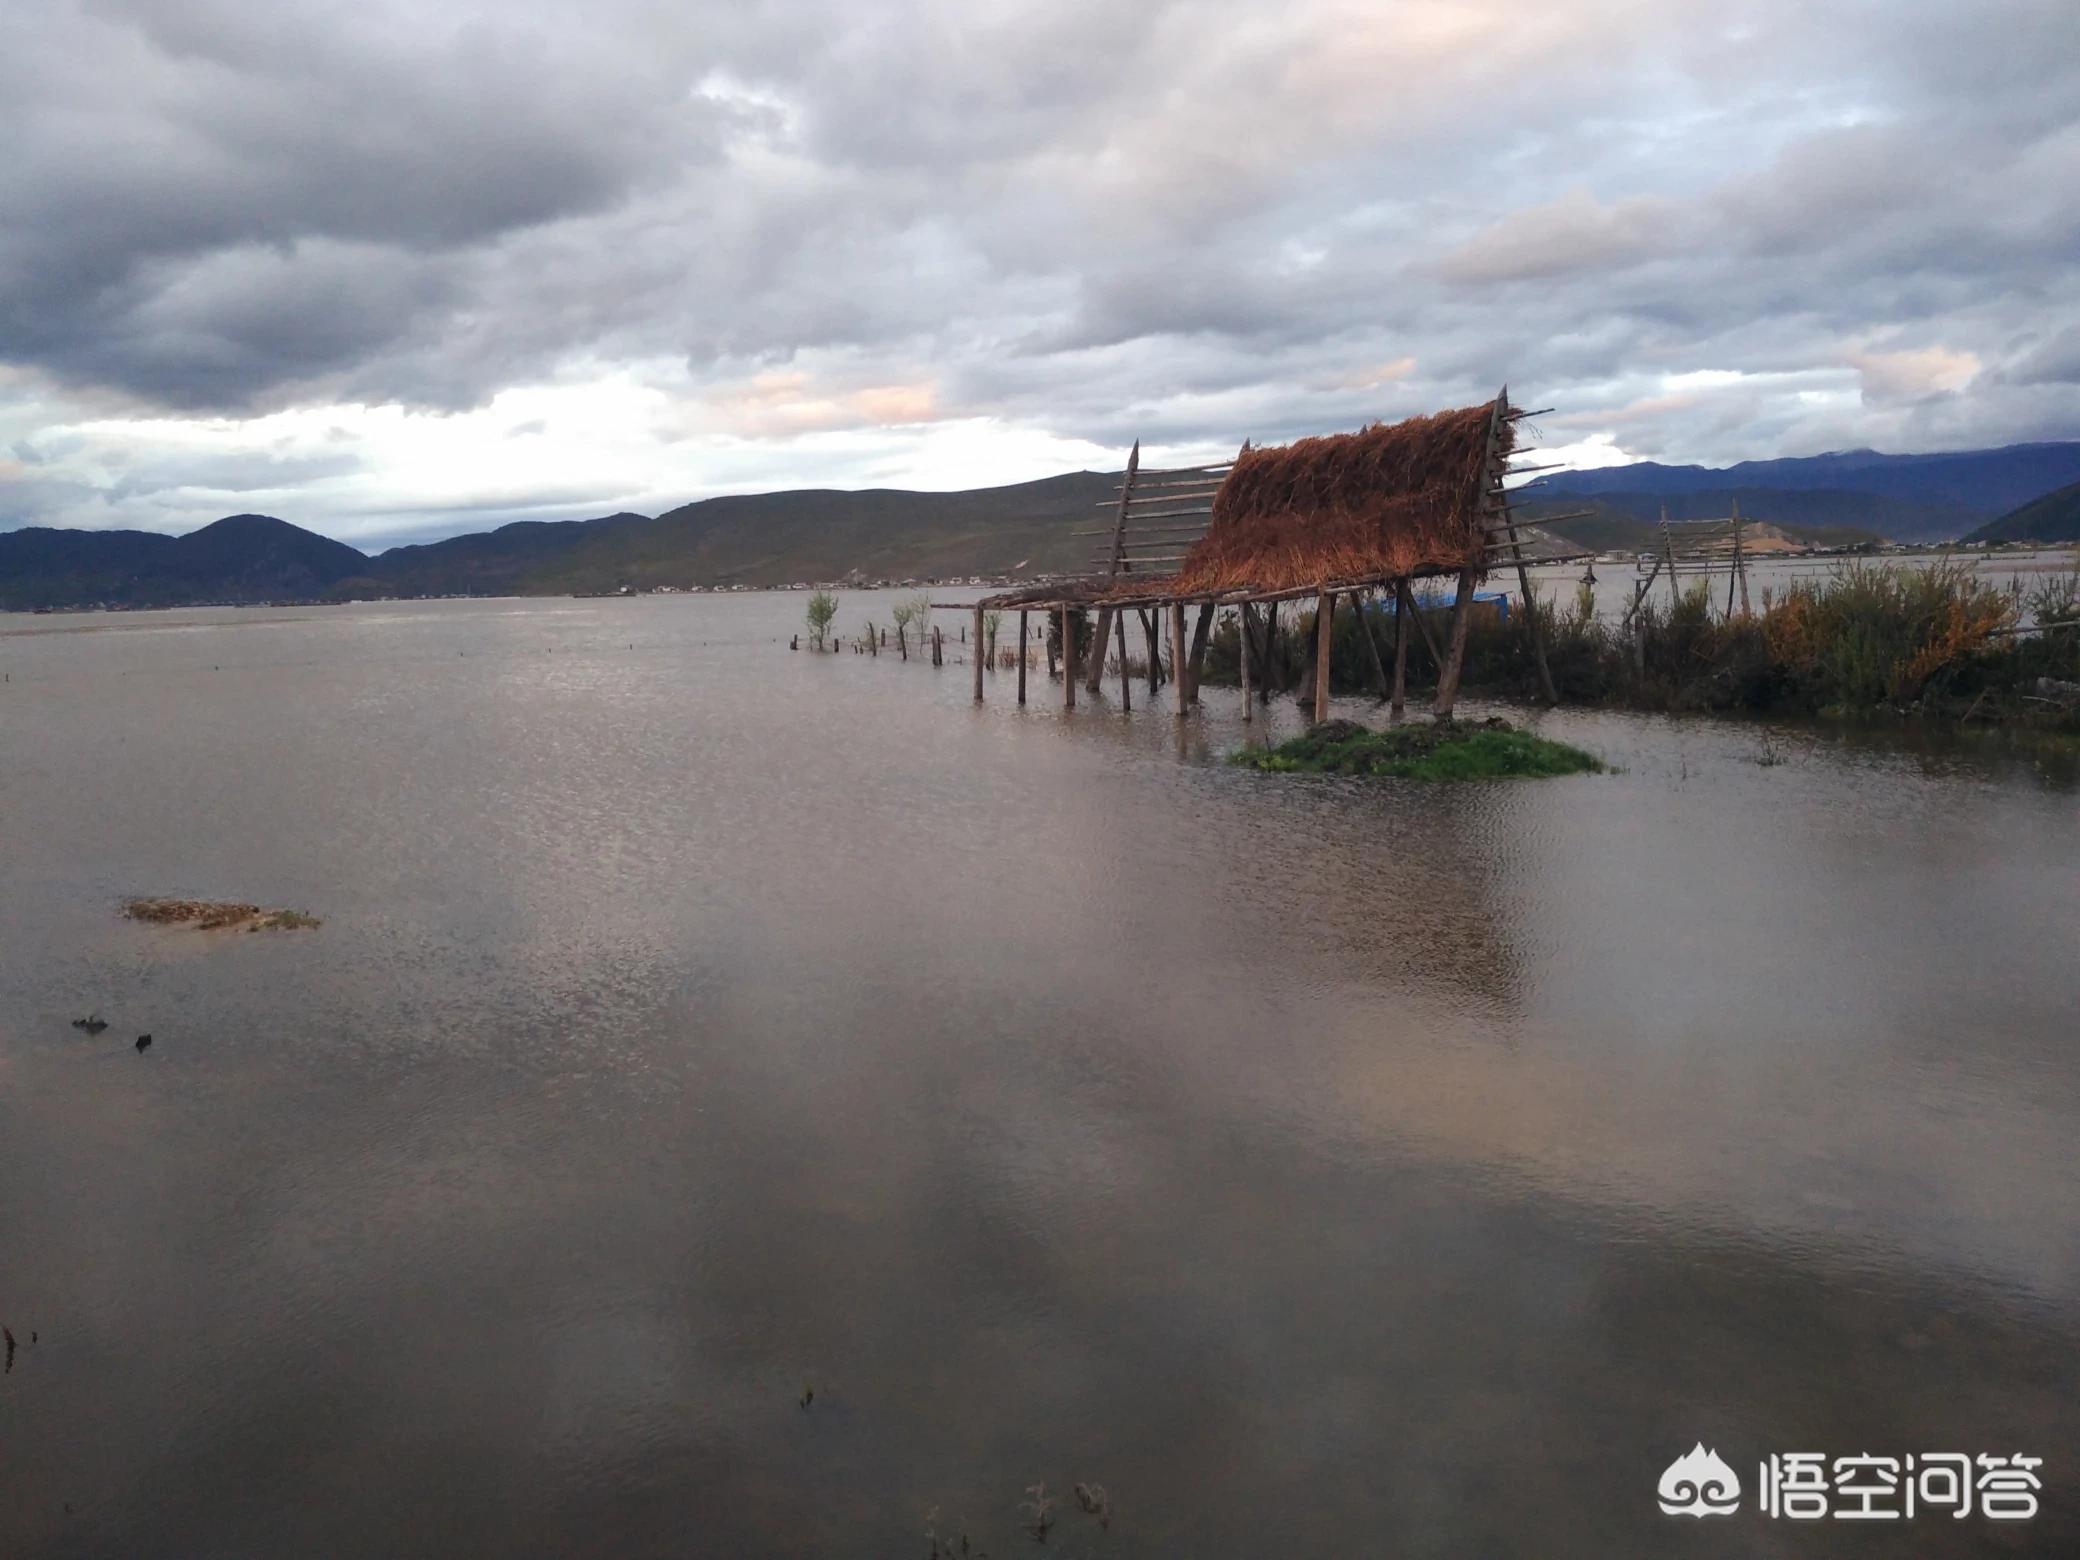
(1795, 227)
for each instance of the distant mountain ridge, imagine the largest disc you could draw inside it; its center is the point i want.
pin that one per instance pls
(1907, 498)
(2053, 518)
(1024, 528)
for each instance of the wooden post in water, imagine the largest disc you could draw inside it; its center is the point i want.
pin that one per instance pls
(1324, 640)
(1178, 676)
(1155, 659)
(976, 654)
(1068, 662)
(1246, 652)
(1201, 631)
(1455, 656)
(1401, 612)
(1025, 641)
(1126, 679)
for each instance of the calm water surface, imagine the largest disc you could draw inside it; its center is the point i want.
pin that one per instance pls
(1324, 1170)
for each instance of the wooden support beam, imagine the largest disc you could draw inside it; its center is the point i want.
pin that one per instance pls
(1068, 662)
(1178, 676)
(1245, 652)
(1025, 641)
(1509, 526)
(1094, 676)
(1126, 680)
(1324, 641)
(1155, 659)
(1407, 606)
(1455, 661)
(979, 652)
(1197, 662)
(1361, 605)
(1401, 637)
(1270, 644)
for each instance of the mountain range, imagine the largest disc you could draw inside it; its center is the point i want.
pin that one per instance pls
(2026, 491)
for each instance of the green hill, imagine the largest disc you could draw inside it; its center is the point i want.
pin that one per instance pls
(2053, 518)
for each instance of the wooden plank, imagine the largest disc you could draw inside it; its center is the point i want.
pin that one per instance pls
(1025, 641)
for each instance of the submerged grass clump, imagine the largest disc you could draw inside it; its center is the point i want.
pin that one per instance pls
(1492, 750)
(214, 915)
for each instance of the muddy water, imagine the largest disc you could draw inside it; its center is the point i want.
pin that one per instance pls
(1321, 1170)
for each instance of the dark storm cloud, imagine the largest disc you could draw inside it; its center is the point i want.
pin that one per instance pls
(1782, 228)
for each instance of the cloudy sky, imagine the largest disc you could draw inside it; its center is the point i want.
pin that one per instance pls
(398, 270)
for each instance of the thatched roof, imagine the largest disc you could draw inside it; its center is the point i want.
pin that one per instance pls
(1393, 499)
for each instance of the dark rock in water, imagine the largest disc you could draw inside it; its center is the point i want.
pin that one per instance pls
(143, 1041)
(92, 1024)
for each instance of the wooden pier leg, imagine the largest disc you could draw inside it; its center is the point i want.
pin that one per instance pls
(1362, 605)
(1068, 662)
(1401, 611)
(1531, 623)
(1126, 678)
(1270, 650)
(1324, 639)
(977, 653)
(1025, 641)
(1455, 654)
(1247, 653)
(1155, 656)
(1178, 676)
(1201, 632)
(1096, 671)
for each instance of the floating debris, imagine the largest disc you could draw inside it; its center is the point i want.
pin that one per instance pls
(142, 1042)
(92, 1024)
(214, 915)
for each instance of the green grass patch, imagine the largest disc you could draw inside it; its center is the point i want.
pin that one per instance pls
(1491, 750)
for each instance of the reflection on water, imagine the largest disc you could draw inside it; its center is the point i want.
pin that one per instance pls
(1322, 1169)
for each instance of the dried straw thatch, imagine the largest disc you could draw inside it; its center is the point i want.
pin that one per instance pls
(1393, 499)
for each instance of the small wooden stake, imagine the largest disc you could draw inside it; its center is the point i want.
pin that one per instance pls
(977, 655)
(1324, 632)
(1024, 641)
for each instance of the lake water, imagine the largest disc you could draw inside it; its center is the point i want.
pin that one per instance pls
(1322, 1169)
